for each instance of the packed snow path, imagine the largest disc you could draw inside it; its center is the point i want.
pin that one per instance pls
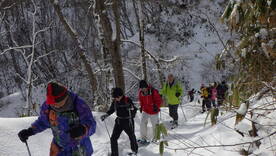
(190, 133)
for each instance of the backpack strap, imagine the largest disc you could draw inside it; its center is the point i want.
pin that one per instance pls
(126, 99)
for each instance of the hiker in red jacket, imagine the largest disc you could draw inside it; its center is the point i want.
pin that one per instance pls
(150, 102)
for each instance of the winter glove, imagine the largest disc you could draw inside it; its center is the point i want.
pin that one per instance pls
(177, 94)
(104, 116)
(133, 111)
(25, 133)
(155, 108)
(77, 131)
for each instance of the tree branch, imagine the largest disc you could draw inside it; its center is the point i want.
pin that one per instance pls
(216, 146)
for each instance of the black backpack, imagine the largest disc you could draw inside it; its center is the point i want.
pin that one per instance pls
(209, 89)
(133, 108)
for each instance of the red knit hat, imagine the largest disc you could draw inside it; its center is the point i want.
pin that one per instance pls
(55, 93)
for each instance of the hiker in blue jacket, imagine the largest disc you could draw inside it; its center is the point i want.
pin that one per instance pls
(70, 120)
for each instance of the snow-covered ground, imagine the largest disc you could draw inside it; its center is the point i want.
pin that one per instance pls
(183, 140)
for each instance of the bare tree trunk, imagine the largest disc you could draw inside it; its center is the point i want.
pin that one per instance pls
(30, 64)
(136, 13)
(111, 43)
(126, 17)
(75, 37)
(116, 50)
(142, 39)
(15, 64)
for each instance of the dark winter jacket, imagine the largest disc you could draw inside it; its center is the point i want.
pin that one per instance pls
(209, 89)
(191, 92)
(221, 90)
(124, 108)
(62, 122)
(151, 102)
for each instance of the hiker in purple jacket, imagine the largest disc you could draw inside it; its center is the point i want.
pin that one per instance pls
(70, 119)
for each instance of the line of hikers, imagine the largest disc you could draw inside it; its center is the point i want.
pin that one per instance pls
(213, 95)
(72, 122)
(150, 102)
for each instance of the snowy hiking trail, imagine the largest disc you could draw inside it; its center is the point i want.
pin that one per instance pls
(39, 144)
(187, 134)
(190, 133)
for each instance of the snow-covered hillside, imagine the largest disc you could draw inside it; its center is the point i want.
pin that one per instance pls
(187, 139)
(192, 35)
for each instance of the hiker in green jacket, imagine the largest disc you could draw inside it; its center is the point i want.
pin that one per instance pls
(172, 91)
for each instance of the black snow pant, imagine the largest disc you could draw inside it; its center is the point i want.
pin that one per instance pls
(220, 100)
(126, 125)
(173, 111)
(191, 98)
(206, 103)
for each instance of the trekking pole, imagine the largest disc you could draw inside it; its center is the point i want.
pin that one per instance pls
(28, 148)
(183, 111)
(107, 130)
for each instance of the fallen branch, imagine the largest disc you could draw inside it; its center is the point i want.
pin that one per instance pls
(216, 146)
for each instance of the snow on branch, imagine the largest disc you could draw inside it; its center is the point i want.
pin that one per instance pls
(56, 2)
(43, 30)
(108, 3)
(39, 57)
(170, 60)
(16, 48)
(269, 85)
(129, 71)
(129, 89)
(5, 5)
(22, 78)
(103, 70)
(111, 69)
(2, 17)
(151, 55)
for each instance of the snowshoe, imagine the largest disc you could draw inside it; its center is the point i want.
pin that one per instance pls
(142, 142)
(132, 154)
(174, 125)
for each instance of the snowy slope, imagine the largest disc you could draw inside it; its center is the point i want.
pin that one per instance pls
(196, 52)
(190, 133)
